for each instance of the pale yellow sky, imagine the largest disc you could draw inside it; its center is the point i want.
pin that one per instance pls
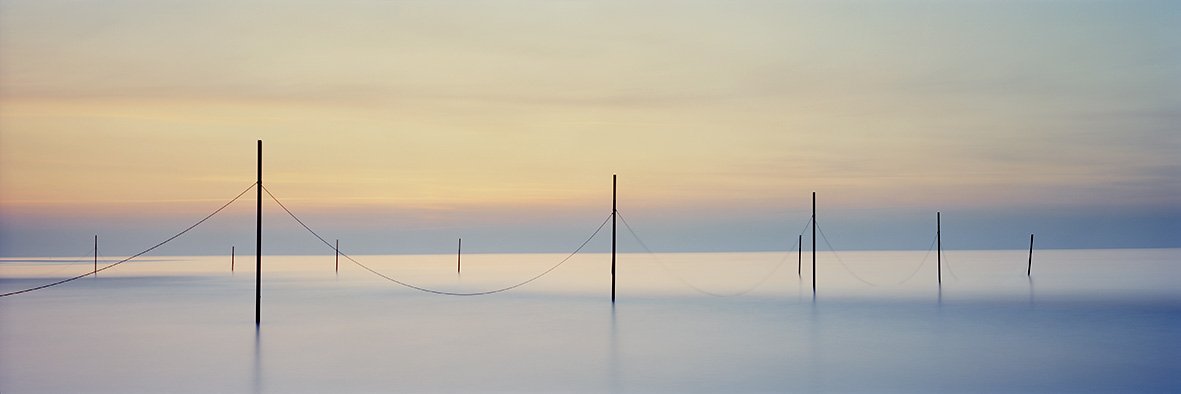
(490, 105)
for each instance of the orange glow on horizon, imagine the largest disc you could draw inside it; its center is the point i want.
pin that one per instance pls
(708, 106)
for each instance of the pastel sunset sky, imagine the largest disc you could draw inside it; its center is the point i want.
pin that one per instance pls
(401, 126)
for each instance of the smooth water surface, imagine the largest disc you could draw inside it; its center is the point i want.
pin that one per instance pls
(1085, 321)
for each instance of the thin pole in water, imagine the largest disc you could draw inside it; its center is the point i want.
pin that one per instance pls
(96, 256)
(338, 256)
(800, 260)
(258, 244)
(459, 257)
(1030, 267)
(813, 243)
(231, 259)
(614, 213)
(938, 249)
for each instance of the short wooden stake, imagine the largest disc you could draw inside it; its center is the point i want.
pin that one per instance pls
(1029, 268)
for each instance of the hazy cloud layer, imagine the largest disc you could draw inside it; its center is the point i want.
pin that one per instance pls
(149, 110)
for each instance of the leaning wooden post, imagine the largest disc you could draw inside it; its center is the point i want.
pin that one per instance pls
(938, 249)
(1030, 267)
(337, 256)
(258, 244)
(813, 243)
(614, 213)
(459, 257)
(95, 256)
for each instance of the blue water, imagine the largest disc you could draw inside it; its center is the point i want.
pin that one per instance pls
(1086, 321)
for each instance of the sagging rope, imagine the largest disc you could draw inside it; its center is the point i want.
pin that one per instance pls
(433, 291)
(681, 279)
(863, 280)
(946, 264)
(839, 260)
(145, 251)
(924, 262)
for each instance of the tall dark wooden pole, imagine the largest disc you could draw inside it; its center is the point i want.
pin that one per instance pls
(938, 249)
(231, 259)
(338, 256)
(614, 213)
(96, 256)
(813, 242)
(459, 257)
(258, 244)
(1030, 267)
(800, 260)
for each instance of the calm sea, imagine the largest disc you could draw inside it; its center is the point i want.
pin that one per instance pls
(1084, 321)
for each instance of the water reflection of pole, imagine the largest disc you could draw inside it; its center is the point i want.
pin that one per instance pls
(815, 353)
(1030, 279)
(257, 361)
(614, 356)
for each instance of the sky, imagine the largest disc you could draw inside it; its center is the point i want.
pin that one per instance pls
(399, 127)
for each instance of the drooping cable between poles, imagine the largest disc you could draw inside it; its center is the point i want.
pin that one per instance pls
(145, 251)
(946, 264)
(433, 291)
(921, 263)
(756, 285)
(839, 260)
